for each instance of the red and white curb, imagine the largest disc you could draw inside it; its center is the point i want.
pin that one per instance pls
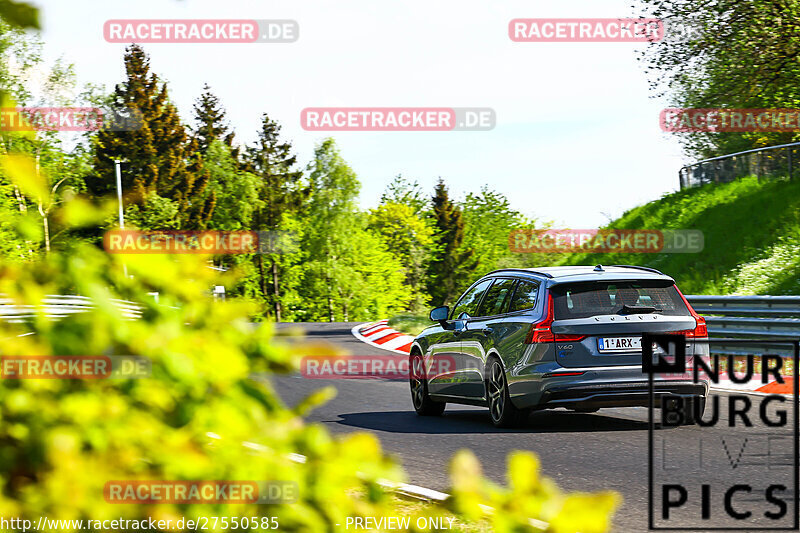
(755, 386)
(380, 335)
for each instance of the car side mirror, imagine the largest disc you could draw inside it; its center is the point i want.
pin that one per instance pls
(440, 315)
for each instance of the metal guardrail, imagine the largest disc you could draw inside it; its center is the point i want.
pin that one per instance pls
(768, 162)
(57, 306)
(761, 318)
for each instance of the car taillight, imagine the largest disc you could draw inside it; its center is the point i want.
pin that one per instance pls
(542, 332)
(700, 330)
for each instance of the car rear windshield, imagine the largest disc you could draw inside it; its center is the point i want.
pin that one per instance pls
(584, 300)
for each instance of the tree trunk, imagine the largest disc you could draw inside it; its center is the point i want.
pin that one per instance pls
(277, 292)
(46, 227)
(262, 276)
(330, 300)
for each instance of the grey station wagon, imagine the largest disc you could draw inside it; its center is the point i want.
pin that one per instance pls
(520, 340)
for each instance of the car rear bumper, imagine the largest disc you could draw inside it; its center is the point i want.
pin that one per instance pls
(598, 387)
(617, 394)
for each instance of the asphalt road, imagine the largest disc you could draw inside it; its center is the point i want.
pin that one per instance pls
(607, 450)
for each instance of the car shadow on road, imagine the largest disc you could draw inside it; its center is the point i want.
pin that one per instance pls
(477, 421)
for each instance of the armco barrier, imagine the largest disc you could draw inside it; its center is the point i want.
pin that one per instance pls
(57, 306)
(760, 318)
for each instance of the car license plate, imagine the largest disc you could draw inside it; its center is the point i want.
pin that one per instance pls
(619, 344)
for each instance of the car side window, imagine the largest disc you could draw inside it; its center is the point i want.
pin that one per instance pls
(524, 296)
(497, 297)
(468, 303)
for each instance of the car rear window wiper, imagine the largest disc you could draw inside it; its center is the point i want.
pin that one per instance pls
(637, 309)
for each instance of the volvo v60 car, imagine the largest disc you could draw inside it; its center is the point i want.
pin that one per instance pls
(520, 340)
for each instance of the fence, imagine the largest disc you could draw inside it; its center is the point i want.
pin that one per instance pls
(761, 318)
(56, 307)
(769, 162)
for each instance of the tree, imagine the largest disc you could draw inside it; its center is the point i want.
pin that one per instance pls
(349, 272)
(405, 192)
(60, 173)
(19, 14)
(236, 190)
(453, 265)
(159, 156)
(410, 238)
(281, 193)
(730, 54)
(488, 221)
(210, 123)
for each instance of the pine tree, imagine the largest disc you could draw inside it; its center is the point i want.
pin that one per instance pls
(159, 157)
(452, 265)
(281, 192)
(209, 116)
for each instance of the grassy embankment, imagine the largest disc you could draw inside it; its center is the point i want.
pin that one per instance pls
(752, 241)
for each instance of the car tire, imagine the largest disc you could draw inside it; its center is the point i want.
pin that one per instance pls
(423, 404)
(502, 412)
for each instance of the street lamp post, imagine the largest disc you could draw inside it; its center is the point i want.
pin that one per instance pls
(119, 193)
(119, 199)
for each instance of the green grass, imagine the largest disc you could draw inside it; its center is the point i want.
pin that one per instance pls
(410, 323)
(751, 230)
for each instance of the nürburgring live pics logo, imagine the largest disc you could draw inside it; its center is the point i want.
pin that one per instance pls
(737, 469)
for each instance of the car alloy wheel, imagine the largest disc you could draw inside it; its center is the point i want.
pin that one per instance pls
(423, 404)
(497, 392)
(502, 412)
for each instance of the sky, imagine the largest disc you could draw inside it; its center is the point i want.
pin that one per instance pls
(577, 139)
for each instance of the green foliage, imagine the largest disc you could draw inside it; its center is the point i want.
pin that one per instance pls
(282, 195)
(210, 122)
(453, 266)
(406, 192)
(413, 324)
(488, 221)
(529, 495)
(236, 191)
(411, 240)
(350, 275)
(750, 227)
(159, 157)
(19, 14)
(155, 213)
(734, 55)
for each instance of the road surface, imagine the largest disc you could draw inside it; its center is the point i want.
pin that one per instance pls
(581, 452)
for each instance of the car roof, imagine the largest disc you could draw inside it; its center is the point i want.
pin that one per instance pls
(561, 274)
